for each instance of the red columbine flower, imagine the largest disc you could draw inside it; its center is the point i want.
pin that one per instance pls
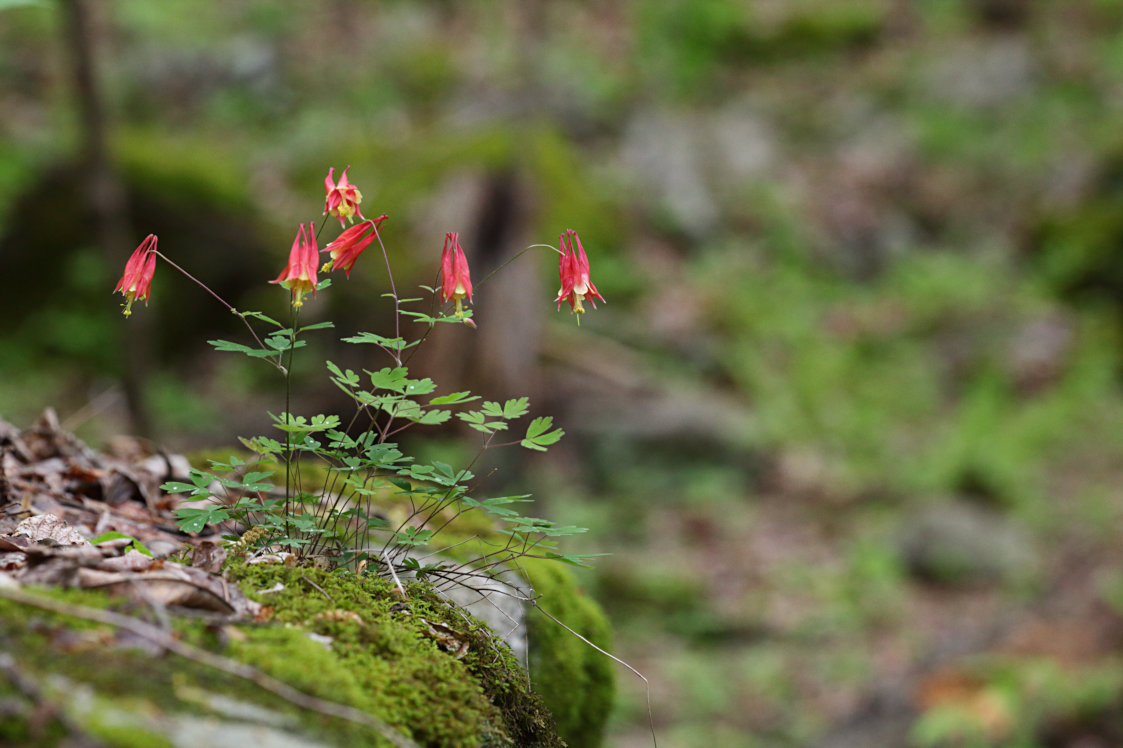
(455, 281)
(573, 268)
(343, 198)
(139, 270)
(300, 274)
(350, 244)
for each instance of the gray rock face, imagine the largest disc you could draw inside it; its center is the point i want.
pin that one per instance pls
(691, 164)
(500, 604)
(986, 73)
(956, 542)
(496, 599)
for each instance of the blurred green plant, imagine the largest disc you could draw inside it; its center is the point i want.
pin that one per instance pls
(690, 47)
(1012, 702)
(908, 385)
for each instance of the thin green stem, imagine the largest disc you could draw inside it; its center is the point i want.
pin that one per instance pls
(323, 222)
(443, 501)
(394, 293)
(288, 422)
(220, 300)
(477, 285)
(516, 256)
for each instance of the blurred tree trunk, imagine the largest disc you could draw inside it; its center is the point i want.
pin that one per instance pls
(104, 192)
(500, 359)
(512, 306)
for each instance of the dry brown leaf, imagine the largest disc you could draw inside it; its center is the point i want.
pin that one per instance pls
(338, 614)
(131, 561)
(447, 638)
(208, 556)
(13, 543)
(12, 561)
(163, 588)
(283, 557)
(118, 488)
(954, 687)
(50, 527)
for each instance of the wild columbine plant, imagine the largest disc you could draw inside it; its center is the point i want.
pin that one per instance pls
(351, 497)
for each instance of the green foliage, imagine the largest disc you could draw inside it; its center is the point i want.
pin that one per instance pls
(538, 435)
(10, 4)
(136, 545)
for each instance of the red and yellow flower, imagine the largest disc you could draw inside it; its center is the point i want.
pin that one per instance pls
(299, 276)
(137, 279)
(350, 244)
(573, 269)
(343, 198)
(456, 283)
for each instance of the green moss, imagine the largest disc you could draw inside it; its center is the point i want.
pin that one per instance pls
(577, 683)
(386, 661)
(128, 735)
(201, 173)
(382, 658)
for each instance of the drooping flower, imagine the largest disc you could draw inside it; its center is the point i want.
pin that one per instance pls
(137, 279)
(573, 269)
(343, 198)
(350, 244)
(456, 283)
(299, 276)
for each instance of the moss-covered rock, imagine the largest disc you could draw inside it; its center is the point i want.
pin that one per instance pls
(575, 681)
(417, 664)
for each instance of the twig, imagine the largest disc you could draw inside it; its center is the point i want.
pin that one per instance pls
(646, 685)
(94, 406)
(393, 573)
(158, 608)
(222, 301)
(318, 587)
(218, 662)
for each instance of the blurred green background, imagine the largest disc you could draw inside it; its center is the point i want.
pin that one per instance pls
(850, 422)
